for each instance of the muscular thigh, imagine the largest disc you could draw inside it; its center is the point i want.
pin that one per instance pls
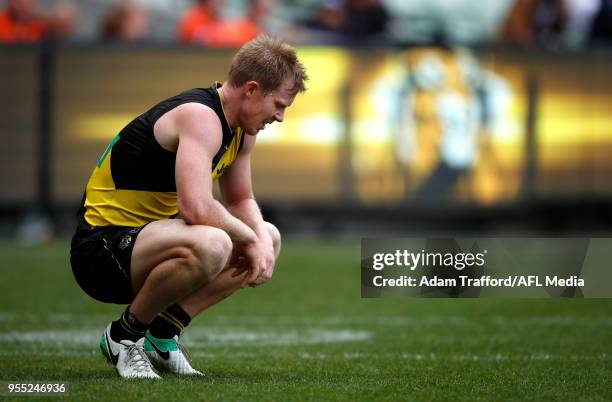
(164, 240)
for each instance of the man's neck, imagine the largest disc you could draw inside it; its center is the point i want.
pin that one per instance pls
(229, 99)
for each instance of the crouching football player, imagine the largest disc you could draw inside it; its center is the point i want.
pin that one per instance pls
(130, 247)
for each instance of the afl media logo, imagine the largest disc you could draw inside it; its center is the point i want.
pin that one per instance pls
(125, 242)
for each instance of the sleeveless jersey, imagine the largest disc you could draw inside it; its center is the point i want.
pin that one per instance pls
(133, 183)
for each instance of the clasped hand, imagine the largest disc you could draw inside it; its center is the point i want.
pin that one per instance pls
(257, 259)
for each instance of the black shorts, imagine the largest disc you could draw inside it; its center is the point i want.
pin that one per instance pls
(101, 262)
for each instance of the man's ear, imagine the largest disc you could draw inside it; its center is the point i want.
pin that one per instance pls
(252, 87)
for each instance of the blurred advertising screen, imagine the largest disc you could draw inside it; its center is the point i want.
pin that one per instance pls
(378, 127)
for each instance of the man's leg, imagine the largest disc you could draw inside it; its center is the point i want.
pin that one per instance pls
(171, 260)
(168, 262)
(161, 342)
(172, 321)
(223, 285)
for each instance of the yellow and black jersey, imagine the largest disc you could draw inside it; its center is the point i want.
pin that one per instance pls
(133, 183)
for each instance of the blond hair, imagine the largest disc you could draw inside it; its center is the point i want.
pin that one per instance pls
(268, 61)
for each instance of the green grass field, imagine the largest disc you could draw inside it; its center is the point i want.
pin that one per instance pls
(307, 335)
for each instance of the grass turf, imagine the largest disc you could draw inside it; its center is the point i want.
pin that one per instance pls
(307, 335)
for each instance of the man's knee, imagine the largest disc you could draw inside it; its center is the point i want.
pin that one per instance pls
(276, 237)
(210, 251)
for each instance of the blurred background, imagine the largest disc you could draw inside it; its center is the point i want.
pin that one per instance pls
(420, 115)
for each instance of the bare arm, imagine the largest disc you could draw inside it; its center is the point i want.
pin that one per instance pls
(199, 138)
(237, 191)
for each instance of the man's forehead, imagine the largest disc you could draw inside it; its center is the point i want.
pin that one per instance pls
(287, 98)
(288, 87)
(285, 93)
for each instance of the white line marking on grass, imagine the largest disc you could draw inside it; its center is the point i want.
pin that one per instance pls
(503, 357)
(37, 352)
(201, 335)
(223, 337)
(456, 358)
(54, 339)
(341, 320)
(370, 357)
(313, 356)
(336, 320)
(67, 337)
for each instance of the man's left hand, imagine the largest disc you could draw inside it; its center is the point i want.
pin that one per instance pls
(267, 262)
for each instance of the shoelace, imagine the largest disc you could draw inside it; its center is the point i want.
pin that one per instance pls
(137, 358)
